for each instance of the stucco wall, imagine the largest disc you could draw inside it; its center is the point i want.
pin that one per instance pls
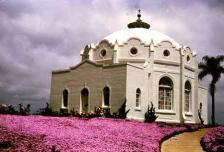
(136, 78)
(174, 53)
(124, 54)
(94, 78)
(173, 115)
(203, 98)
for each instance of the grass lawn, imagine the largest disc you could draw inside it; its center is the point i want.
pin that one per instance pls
(40, 133)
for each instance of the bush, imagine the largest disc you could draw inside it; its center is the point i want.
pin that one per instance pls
(24, 110)
(150, 115)
(47, 111)
(106, 112)
(64, 112)
(99, 111)
(121, 113)
(7, 109)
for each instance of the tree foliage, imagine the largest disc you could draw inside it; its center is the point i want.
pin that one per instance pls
(150, 115)
(212, 66)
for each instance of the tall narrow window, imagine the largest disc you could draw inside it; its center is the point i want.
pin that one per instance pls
(138, 98)
(187, 95)
(85, 100)
(106, 96)
(65, 98)
(165, 93)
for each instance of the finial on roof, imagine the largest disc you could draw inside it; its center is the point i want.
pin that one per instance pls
(139, 15)
(138, 23)
(116, 42)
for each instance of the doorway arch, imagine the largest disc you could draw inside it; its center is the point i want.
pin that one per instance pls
(106, 96)
(85, 100)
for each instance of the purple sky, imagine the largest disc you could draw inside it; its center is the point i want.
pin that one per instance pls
(37, 37)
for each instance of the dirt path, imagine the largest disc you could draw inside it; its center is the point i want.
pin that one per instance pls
(185, 142)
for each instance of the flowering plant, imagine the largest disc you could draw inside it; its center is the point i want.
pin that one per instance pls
(213, 140)
(44, 133)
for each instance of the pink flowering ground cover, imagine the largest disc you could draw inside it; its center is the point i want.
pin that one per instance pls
(213, 140)
(40, 133)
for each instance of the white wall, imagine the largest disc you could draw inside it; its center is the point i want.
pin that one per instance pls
(203, 98)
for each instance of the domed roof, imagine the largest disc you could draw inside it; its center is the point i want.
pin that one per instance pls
(145, 35)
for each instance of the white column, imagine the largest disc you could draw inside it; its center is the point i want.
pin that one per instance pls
(181, 104)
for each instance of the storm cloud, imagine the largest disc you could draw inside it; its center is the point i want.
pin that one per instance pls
(37, 37)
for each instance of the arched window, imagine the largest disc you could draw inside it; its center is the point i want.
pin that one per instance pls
(165, 93)
(65, 98)
(138, 98)
(187, 96)
(106, 96)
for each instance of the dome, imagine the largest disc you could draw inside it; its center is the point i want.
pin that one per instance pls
(145, 35)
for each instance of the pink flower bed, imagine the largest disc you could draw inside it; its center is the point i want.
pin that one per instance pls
(75, 134)
(213, 140)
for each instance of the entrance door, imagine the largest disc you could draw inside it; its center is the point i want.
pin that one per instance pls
(106, 96)
(85, 99)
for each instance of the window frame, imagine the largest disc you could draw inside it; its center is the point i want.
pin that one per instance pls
(63, 99)
(165, 88)
(187, 91)
(133, 54)
(103, 97)
(138, 98)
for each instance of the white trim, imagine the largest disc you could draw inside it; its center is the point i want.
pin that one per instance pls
(103, 59)
(167, 62)
(165, 111)
(202, 87)
(106, 106)
(167, 120)
(190, 97)
(188, 113)
(62, 98)
(135, 60)
(166, 71)
(137, 109)
(189, 68)
(135, 118)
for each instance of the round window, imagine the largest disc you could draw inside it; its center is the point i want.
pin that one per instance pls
(188, 58)
(166, 53)
(133, 51)
(103, 53)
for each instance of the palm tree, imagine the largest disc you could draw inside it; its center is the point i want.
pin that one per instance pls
(211, 66)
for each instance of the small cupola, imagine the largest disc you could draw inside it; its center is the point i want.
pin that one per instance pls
(139, 23)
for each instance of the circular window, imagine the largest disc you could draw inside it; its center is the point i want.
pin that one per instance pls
(188, 58)
(166, 53)
(103, 53)
(133, 51)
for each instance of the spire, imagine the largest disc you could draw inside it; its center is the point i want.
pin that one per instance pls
(138, 23)
(139, 15)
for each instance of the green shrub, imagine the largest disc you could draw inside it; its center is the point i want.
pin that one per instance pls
(150, 115)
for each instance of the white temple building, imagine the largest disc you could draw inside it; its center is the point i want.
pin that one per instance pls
(137, 65)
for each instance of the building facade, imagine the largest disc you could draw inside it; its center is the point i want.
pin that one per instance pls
(135, 66)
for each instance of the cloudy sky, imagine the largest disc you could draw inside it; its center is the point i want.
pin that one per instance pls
(37, 37)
